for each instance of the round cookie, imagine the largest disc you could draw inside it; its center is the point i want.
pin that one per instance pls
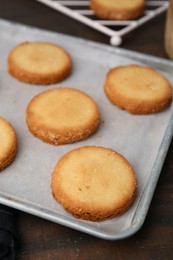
(138, 89)
(39, 63)
(118, 10)
(93, 183)
(62, 115)
(8, 143)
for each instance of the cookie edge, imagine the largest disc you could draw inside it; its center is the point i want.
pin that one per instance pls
(33, 78)
(8, 159)
(130, 104)
(105, 12)
(55, 137)
(95, 215)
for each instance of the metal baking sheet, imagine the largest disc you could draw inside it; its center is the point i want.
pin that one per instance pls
(143, 140)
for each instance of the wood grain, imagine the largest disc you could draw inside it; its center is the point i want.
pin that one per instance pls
(169, 31)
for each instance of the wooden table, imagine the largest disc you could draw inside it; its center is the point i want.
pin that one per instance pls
(41, 239)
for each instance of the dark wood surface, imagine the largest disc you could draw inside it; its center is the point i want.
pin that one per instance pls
(41, 239)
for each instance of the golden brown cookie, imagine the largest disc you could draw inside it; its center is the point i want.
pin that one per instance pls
(39, 63)
(62, 115)
(118, 10)
(93, 183)
(8, 143)
(138, 89)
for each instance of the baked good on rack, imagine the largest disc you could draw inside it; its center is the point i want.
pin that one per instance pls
(118, 10)
(93, 183)
(62, 115)
(138, 89)
(8, 143)
(39, 63)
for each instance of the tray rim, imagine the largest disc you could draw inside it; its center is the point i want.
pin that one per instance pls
(146, 198)
(139, 216)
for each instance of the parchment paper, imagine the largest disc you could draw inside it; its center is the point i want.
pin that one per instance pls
(27, 180)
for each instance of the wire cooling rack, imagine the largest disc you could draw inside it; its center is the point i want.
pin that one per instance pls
(80, 10)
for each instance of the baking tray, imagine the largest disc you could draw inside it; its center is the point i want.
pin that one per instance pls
(143, 140)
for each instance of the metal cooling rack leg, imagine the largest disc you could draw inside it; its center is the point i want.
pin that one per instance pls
(115, 40)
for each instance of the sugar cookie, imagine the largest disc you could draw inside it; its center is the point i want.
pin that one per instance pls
(39, 63)
(93, 183)
(118, 10)
(8, 143)
(62, 115)
(138, 89)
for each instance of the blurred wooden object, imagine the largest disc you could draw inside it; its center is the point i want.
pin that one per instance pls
(169, 31)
